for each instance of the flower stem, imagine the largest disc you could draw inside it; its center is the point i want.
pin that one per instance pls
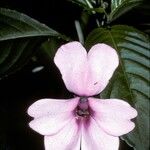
(79, 31)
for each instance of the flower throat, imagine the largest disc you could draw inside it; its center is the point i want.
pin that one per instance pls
(83, 109)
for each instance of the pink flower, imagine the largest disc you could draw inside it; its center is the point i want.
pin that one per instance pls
(83, 122)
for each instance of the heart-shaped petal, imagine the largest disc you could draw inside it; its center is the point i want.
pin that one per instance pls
(86, 74)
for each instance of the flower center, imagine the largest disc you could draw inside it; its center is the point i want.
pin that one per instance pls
(83, 108)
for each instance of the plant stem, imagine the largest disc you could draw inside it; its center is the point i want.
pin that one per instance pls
(79, 31)
(90, 6)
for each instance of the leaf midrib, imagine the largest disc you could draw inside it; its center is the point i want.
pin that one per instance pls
(121, 63)
(27, 35)
(126, 78)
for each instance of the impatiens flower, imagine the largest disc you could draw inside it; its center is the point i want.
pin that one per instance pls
(83, 122)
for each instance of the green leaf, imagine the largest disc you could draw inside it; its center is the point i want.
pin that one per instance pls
(49, 48)
(87, 4)
(119, 7)
(143, 22)
(131, 80)
(79, 2)
(20, 35)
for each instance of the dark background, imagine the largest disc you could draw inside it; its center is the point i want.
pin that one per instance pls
(20, 90)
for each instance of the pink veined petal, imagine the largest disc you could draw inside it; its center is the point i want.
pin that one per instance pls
(94, 138)
(113, 115)
(46, 107)
(67, 139)
(71, 59)
(51, 124)
(102, 61)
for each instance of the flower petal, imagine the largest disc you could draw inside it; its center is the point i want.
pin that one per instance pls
(102, 60)
(94, 138)
(67, 139)
(45, 107)
(71, 59)
(51, 124)
(113, 115)
(83, 74)
(50, 115)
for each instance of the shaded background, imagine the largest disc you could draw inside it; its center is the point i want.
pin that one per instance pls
(20, 90)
